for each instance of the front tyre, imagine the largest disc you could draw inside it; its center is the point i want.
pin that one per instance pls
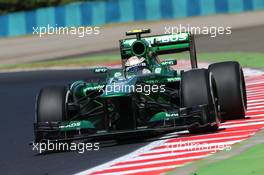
(50, 108)
(198, 88)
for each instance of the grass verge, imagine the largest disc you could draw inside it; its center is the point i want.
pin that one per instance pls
(254, 60)
(248, 162)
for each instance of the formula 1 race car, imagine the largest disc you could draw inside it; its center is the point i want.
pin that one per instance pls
(144, 97)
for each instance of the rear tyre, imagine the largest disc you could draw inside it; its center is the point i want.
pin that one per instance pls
(50, 107)
(198, 88)
(231, 89)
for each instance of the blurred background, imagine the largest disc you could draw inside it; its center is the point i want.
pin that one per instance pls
(21, 46)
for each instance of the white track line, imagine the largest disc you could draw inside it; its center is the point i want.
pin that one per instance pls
(255, 104)
(252, 94)
(156, 162)
(253, 131)
(255, 100)
(254, 83)
(142, 170)
(188, 148)
(255, 107)
(123, 158)
(210, 139)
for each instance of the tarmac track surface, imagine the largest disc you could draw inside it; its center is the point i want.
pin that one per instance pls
(18, 90)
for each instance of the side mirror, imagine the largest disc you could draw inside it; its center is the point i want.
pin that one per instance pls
(168, 62)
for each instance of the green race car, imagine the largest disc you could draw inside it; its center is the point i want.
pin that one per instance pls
(145, 97)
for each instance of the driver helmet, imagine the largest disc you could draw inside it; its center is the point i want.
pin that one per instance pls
(136, 65)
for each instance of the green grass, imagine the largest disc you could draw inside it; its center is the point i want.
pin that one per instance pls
(247, 59)
(69, 62)
(247, 163)
(254, 60)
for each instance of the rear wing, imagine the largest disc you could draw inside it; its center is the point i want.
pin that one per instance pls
(159, 45)
(162, 43)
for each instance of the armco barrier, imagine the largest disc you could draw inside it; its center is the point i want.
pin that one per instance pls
(110, 11)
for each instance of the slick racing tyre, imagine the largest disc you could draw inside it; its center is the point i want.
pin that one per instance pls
(50, 107)
(231, 89)
(198, 88)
